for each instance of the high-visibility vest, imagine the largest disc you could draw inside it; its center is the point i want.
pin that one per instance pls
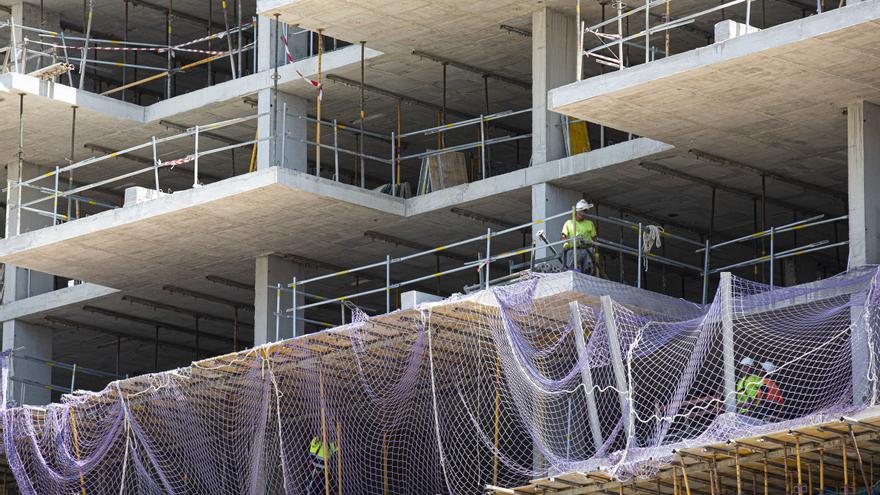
(319, 450)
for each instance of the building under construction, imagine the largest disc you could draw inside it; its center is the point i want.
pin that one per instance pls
(313, 247)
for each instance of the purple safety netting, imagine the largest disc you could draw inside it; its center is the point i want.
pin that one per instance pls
(552, 374)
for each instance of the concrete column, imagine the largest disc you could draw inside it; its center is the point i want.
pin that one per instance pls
(548, 200)
(270, 271)
(863, 162)
(289, 152)
(27, 378)
(863, 168)
(554, 47)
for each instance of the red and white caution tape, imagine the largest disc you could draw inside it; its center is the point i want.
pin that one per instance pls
(174, 163)
(315, 84)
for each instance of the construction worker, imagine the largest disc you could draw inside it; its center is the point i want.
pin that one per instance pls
(319, 456)
(769, 396)
(581, 232)
(748, 387)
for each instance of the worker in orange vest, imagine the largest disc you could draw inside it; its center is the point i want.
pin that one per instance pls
(769, 398)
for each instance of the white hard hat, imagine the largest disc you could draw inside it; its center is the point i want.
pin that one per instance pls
(583, 205)
(768, 366)
(747, 361)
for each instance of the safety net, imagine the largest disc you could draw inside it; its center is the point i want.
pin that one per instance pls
(554, 373)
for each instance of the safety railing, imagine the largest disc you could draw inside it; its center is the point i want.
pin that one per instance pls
(482, 264)
(396, 142)
(55, 54)
(610, 49)
(74, 370)
(645, 236)
(773, 256)
(62, 176)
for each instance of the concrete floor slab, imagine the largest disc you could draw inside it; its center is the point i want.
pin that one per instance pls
(195, 232)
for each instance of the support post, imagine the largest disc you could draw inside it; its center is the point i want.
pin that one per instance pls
(387, 283)
(863, 168)
(488, 255)
(586, 375)
(706, 250)
(725, 288)
(554, 43)
(271, 275)
(617, 365)
(640, 257)
(196, 160)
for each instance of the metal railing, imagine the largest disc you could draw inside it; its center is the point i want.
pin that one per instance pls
(397, 142)
(773, 255)
(74, 369)
(55, 194)
(65, 58)
(610, 50)
(483, 264)
(394, 141)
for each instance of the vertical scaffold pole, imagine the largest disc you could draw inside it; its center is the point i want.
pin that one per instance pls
(393, 160)
(283, 134)
(772, 254)
(20, 162)
(85, 48)
(72, 160)
(363, 114)
(483, 147)
(488, 254)
(240, 35)
(196, 160)
(641, 255)
(336, 150)
(277, 311)
(169, 21)
(293, 306)
(387, 283)
(579, 61)
(293, 317)
(620, 34)
(55, 199)
(648, 30)
(318, 119)
(706, 271)
(228, 39)
(155, 164)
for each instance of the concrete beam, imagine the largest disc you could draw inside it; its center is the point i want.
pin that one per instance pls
(397, 241)
(168, 326)
(184, 311)
(663, 169)
(208, 297)
(417, 102)
(113, 333)
(474, 70)
(806, 186)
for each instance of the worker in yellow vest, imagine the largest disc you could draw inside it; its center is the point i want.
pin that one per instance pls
(319, 456)
(580, 234)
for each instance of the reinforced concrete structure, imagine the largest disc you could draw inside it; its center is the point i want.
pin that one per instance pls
(187, 180)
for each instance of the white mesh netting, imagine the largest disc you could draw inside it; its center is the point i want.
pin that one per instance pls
(495, 388)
